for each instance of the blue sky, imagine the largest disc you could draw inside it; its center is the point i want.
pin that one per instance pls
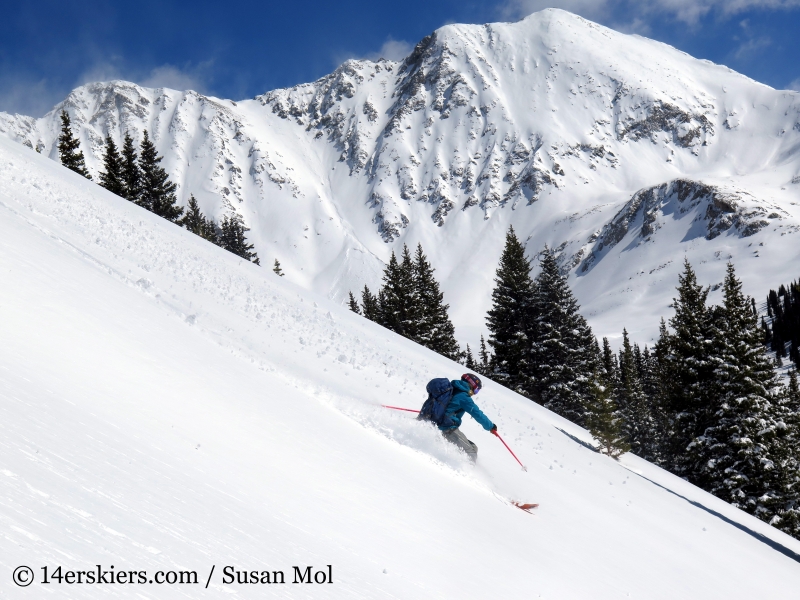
(240, 48)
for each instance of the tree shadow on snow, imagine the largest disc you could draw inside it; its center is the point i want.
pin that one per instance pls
(788, 552)
(759, 536)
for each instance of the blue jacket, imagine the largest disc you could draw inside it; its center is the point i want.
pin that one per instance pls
(462, 403)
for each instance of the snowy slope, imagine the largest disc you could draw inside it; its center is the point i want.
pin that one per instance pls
(553, 124)
(165, 405)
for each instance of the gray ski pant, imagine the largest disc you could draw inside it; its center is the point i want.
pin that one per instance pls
(454, 436)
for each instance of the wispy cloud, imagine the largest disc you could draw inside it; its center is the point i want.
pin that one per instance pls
(751, 44)
(591, 9)
(189, 77)
(390, 50)
(795, 85)
(687, 11)
(32, 97)
(35, 97)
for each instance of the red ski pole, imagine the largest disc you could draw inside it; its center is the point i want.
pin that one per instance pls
(524, 468)
(398, 408)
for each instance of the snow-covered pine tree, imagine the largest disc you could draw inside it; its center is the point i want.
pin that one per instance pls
(649, 377)
(232, 238)
(735, 452)
(510, 320)
(158, 192)
(434, 329)
(783, 507)
(794, 390)
(638, 360)
(111, 178)
(603, 418)
(687, 372)
(608, 363)
(398, 302)
(69, 148)
(276, 268)
(369, 305)
(131, 173)
(352, 304)
(783, 309)
(563, 350)
(660, 399)
(636, 422)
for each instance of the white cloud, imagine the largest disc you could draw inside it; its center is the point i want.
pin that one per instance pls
(192, 77)
(591, 9)
(687, 11)
(390, 50)
(752, 46)
(795, 85)
(28, 97)
(170, 76)
(393, 50)
(637, 25)
(36, 97)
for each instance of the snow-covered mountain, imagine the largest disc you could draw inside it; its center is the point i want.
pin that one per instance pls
(166, 406)
(622, 153)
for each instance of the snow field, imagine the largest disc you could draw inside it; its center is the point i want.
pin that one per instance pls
(168, 405)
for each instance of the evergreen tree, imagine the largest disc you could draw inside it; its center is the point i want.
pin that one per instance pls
(783, 506)
(603, 418)
(794, 391)
(353, 304)
(158, 192)
(485, 360)
(737, 447)
(687, 373)
(276, 268)
(398, 302)
(112, 178)
(608, 364)
(469, 360)
(69, 148)
(196, 222)
(637, 424)
(131, 173)
(783, 309)
(650, 380)
(434, 329)
(563, 350)
(232, 238)
(510, 320)
(369, 305)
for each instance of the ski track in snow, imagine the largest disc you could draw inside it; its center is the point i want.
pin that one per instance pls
(166, 405)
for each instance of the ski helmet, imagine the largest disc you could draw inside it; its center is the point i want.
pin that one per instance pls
(473, 380)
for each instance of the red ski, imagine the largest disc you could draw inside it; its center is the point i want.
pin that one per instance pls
(526, 507)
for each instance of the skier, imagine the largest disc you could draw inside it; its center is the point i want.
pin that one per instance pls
(462, 402)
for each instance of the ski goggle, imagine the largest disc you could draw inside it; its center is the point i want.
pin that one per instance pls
(473, 382)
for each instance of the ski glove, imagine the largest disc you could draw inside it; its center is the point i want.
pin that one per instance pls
(493, 429)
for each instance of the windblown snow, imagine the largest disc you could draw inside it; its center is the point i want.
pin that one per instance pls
(165, 405)
(555, 125)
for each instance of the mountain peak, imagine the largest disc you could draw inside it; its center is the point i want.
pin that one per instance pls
(554, 124)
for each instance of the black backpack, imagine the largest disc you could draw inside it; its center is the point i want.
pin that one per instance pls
(440, 392)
